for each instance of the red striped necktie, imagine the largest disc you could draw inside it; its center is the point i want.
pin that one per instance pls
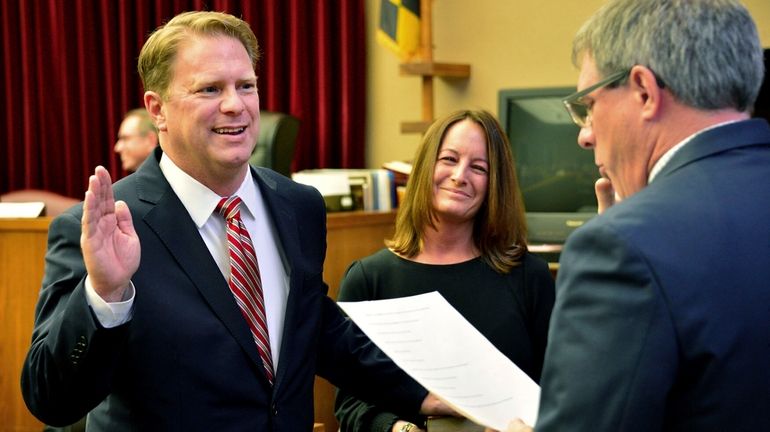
(245, 282)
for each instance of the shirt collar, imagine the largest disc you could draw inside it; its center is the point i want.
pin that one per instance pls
(200, 201)
(667, 156)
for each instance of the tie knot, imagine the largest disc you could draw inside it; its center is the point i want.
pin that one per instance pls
(229, 207)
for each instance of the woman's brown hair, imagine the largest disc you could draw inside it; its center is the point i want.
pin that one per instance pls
(499, 230)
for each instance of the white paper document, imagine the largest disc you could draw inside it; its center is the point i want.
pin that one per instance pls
(21, 209)
(328, 183)
(433, 343)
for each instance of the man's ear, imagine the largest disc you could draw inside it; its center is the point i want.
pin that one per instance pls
(642, 81)
(154, 105)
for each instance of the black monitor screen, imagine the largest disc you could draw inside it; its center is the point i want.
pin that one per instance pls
(555, 174)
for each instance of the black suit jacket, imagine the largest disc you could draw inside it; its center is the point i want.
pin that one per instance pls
(662, 314)
(186, 360)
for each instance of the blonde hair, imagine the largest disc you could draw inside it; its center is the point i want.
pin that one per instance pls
(158, 53)
(500, 228)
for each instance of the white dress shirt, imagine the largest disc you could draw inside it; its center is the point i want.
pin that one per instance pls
(201, 203)
(663, 161)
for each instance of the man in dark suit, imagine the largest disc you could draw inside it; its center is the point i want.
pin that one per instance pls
(662, 314)
(141, 328)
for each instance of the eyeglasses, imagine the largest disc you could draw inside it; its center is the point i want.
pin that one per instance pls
(579, 109)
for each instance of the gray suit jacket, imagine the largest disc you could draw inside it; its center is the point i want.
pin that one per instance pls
(186, 361)
(662, 315)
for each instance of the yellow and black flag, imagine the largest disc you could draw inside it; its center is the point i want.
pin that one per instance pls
(400, 26)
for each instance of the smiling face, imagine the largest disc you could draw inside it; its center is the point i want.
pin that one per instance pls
(209, 119)
(461, 174)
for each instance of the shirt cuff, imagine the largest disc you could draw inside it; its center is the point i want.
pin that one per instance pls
(114, 314)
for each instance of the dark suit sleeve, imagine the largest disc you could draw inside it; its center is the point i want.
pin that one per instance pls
(344, 355)
(68, 369)
(353, 413)
(612, 351)
(400, 393)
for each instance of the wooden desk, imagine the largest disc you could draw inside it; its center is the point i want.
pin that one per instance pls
(349, 236)
(22, 253)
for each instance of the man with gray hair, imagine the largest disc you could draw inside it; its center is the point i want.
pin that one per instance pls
(662, 314)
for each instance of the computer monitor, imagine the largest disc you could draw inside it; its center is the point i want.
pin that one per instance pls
(556, 175)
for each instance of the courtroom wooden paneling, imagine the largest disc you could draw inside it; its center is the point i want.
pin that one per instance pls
(22, 252)
(349, 236)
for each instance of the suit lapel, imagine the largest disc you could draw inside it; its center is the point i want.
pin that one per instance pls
(284, 220)
(169, 220)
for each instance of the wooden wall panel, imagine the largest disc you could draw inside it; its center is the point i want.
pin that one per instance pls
(22, 254)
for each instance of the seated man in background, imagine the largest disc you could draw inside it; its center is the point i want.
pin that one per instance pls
(661, 319)
(137, 138)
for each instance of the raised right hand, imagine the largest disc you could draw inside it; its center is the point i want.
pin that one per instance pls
(111, 249)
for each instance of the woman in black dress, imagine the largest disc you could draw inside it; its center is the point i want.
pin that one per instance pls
(461, 231)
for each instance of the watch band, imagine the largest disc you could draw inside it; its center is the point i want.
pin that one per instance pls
(407, 427)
